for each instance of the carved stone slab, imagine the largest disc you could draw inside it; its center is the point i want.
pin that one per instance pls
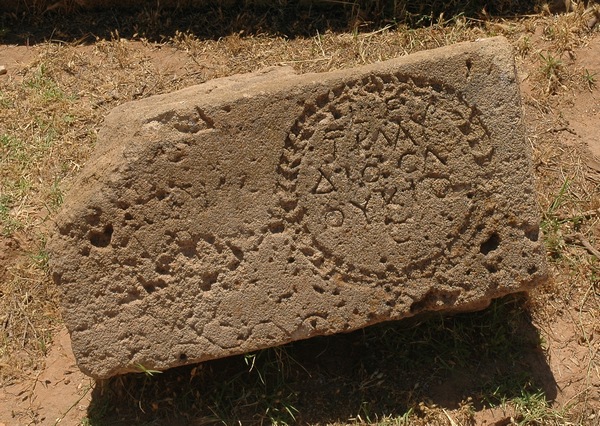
(255, 210)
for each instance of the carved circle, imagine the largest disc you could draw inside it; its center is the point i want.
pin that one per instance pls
(368, 167)
(371, 173)
(334, 218)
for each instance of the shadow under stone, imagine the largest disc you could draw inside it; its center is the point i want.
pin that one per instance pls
(384, 370)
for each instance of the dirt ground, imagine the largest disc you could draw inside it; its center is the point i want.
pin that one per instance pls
(562, 111)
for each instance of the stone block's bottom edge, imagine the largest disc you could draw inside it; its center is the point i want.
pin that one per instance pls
(410, 318)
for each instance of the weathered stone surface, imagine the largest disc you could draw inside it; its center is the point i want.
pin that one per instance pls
(252, 211)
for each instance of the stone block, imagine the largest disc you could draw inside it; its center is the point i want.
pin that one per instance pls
(260, 209)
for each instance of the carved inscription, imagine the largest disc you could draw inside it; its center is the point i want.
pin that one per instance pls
(372, 168)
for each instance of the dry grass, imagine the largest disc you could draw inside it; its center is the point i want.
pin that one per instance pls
(51, 109)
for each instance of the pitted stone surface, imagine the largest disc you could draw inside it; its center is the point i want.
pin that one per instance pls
(255, 210)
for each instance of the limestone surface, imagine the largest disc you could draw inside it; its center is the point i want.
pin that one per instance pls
(259, 209)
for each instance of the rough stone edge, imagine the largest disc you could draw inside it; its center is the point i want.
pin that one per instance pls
(262, 84)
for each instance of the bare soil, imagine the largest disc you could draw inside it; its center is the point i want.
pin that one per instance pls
(557, 335)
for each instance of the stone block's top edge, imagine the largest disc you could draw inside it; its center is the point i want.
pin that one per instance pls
(277, 78)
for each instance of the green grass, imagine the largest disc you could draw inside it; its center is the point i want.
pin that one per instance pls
(533, 408)
(553, 222)
(590, 79)
(146, 371)
(45, 87)
(5, 102)
(13, 148)
(551, 65)
(8, 224)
